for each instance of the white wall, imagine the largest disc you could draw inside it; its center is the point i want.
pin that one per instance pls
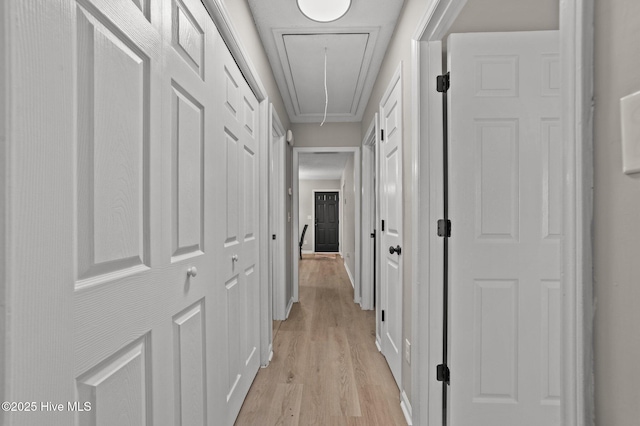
(306, 205)
(513, 15)
(348, 206)
(616, 219)
(330, 134)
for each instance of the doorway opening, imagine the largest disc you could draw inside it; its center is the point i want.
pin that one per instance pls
(326, 170)
(575, 74)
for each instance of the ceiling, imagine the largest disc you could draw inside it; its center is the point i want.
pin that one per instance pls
(354, 44)
(322, 165)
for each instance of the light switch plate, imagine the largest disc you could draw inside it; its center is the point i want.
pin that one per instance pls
(630, 113)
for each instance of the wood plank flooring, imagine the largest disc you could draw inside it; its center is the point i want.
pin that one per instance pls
(326, 369)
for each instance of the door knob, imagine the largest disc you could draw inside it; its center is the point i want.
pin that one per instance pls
(396, 249)
(192, 271)
(234, 258)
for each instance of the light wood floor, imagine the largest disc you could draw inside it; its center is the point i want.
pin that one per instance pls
(326, 369)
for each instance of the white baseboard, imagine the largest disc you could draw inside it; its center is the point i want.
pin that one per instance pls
(349, 274)
(378, 345)
(270, 356)
(289, 306)
(307, 251)
(406, 407)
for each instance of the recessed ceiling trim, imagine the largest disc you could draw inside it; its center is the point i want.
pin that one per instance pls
(292, 102)
(345, 54)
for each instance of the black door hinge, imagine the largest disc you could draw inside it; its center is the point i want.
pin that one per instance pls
(442, 373)
(273, 237)
(382, 225)
(373, 234)
(381, 134)
(383, 315)
(444, 228)
(443, 83)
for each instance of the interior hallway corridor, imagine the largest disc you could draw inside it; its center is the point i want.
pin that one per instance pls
(326, 369)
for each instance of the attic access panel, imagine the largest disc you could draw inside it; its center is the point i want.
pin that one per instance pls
(348, 58)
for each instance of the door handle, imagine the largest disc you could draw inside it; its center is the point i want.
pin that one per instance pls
(396, 249)
(192, 272)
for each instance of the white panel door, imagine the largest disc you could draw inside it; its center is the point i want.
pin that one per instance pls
(122, 240)
(391, 214)
(236, 136)
(505, 207)
(188, 204)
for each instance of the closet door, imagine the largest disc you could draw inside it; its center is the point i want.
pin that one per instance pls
(235, 140)
(131, 204)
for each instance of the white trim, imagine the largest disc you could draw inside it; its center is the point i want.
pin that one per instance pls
(266, 328)
(340, 215)
(277, 224)
(286, 79)
(346, 267)
(289, 306)
(218, 12)
(377, 190)
(576, 47)
(368, 217)
(308, 252)
(576, 56)
(406, 407)
(397, 77)
(295, 235)
(426, 306)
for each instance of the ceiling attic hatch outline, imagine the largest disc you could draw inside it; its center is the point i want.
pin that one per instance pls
(298, 49)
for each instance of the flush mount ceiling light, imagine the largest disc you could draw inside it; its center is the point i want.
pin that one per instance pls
(324, 10)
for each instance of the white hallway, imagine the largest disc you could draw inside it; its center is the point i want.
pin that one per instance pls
(135, 181)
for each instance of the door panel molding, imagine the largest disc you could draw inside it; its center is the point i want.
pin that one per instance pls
(576, 61)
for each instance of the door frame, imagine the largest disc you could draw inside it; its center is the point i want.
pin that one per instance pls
(313, 218)
(370, 216)
(295, 235)
(576, 58)
(221, 18)
(277, 220)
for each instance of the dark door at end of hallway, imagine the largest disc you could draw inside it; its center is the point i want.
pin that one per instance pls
(326, 226)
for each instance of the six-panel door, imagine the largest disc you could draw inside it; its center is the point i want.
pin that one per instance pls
(146, 297)
(506, 212)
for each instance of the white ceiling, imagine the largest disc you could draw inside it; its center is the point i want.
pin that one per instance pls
(355, 46)
(322, 165)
